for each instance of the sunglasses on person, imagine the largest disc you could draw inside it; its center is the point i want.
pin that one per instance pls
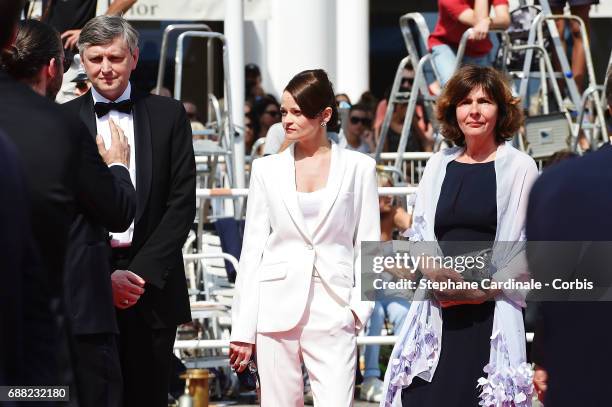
(364, 120)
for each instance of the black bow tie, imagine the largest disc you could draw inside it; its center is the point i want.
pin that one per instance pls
(125, 106)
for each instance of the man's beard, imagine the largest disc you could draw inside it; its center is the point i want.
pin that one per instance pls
(54, 86)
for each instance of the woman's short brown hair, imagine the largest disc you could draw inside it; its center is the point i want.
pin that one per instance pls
(495, 85)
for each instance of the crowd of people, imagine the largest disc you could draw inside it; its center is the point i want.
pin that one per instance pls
(361, 122)
(100, 196)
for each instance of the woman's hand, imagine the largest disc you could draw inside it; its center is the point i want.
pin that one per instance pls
(446, 276)
(443, 276)
(439, 274)
(240, 354)
(450, 297)
(402, 220)
(471, 296)
(540, 379)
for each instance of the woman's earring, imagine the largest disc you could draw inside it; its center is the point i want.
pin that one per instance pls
(323, 124)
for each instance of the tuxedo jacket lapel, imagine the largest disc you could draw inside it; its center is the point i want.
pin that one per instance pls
(144, 154)
(88, 115)
(289, 193)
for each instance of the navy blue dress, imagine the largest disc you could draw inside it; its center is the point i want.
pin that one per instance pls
(466, 211)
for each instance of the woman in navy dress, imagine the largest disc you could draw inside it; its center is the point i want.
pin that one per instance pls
(475, 192)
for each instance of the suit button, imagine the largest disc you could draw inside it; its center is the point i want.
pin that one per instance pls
(309, 247)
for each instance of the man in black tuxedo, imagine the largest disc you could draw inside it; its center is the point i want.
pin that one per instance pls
(63, 173)
(18, 269)
(29, 336)
(571, 202)
(88, 295)
(148, 255)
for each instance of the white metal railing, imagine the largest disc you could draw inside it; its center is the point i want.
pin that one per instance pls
(200, 256)
(243, 192)
(361, 340)
(414, 156)
(385, 156)
(412, 164)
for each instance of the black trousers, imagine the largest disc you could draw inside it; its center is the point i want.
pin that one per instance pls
(146, 360)
(145, 353)
(98, 373)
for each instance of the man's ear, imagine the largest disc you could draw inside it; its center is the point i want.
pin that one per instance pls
(135, 56)
(13, 37)
(53, 69)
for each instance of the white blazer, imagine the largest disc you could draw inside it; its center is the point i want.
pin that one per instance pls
(278, 252)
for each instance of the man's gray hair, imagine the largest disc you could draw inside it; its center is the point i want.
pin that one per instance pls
(104, 29)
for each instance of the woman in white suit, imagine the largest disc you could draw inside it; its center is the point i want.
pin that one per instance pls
(298, 288)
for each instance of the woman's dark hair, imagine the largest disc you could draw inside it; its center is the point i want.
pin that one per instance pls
(259, 108)
(368, 99)
(494, 84)
(36, 44)
(313, 92)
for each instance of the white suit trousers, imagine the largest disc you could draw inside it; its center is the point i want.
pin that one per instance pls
(325, 340)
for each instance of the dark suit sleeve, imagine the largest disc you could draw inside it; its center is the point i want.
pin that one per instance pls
(104, 195)
(28, 333)
(155, 259)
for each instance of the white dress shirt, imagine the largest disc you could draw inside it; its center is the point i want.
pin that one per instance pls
(126, 123)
